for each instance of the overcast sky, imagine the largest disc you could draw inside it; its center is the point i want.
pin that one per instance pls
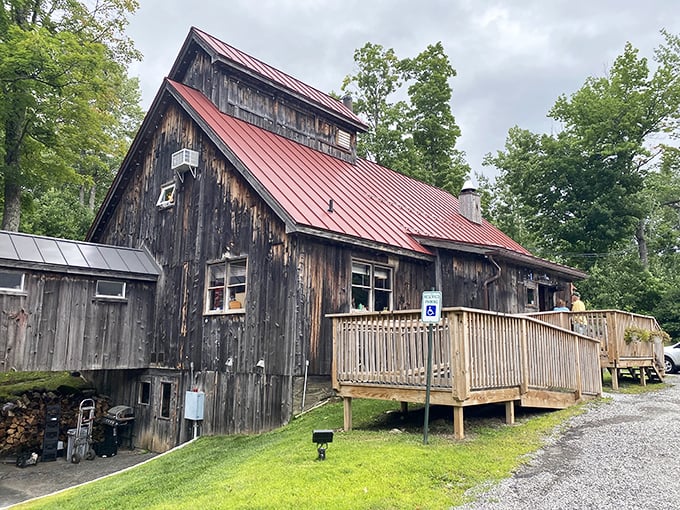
(513, 58)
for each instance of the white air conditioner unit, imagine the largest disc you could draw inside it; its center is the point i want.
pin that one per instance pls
(183, 160)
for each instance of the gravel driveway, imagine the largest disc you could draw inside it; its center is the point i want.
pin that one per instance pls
(624, 453)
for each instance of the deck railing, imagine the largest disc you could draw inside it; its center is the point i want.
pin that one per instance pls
(609, 328)
(473, 352)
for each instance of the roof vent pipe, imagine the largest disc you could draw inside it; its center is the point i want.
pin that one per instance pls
(469, 203)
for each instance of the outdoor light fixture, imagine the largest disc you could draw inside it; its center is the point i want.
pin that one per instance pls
(322, 438)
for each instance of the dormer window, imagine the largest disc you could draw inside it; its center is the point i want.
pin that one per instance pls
(167, 196)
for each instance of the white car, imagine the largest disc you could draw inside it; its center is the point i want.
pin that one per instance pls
(671, 355)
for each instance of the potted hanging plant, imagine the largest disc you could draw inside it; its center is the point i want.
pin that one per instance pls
(635, 334)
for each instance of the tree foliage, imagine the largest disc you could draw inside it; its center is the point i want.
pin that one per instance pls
(581, 191)
(603, 193)
(415, 137)
(63, 86)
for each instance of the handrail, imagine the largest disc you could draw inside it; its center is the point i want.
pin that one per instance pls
(473, 351)
(609, 328)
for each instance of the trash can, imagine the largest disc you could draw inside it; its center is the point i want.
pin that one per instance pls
(73, 446)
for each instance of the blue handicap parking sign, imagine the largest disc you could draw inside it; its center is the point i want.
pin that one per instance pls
(431, 306)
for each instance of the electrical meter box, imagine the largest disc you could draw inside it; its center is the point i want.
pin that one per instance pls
(194, 402)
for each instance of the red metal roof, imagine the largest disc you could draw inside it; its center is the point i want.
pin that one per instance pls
(280, 78)
(370, 202)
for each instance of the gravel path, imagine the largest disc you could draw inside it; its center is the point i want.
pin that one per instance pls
(625, 453)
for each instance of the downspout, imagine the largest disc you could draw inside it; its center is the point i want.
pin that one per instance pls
(490, 280)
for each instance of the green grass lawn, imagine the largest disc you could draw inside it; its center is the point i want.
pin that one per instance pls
(381, 464)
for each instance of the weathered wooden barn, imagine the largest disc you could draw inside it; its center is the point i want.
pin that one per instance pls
(244, 186)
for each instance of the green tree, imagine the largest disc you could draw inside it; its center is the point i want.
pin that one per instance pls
(58, 213)
(377, 79)
(415, 137)
(581, 191)
(62, 70)
(434, 127)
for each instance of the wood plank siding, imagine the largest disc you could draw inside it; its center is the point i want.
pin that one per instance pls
(239, 95)
(57, 323)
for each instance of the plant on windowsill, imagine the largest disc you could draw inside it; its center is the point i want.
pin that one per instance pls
(635, 334)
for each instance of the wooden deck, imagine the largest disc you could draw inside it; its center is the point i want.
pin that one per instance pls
(644, 359)
(478, 357)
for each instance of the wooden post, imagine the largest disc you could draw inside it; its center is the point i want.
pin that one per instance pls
(577, 367)
(643, 378)
(336, 352)
(524, 382)
(510, 412)
(347, 407)
(615, 378)
(458, 426)
(613, 339)
(404, 408)
(459, 352)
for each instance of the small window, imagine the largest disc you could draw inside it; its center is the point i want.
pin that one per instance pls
(167, 196)
(110, 289)
(531, 297)
(144, 392)
(531, 294)
(226, 286)
(166, 397)
(11, 281)
(371, 287)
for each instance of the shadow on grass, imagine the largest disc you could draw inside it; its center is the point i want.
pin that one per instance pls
(441, 419)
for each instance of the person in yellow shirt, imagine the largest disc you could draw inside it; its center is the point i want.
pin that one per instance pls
(576, 304)
(580, 322)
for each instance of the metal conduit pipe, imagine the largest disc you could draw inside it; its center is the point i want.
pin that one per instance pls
(490, 280)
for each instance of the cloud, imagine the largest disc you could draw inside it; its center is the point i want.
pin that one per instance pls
(513, 59)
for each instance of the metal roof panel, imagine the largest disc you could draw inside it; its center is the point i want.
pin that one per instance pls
(7, 250)
(26, 248)
(370, 202)
(64, 255)
(113, 258)
(131, 261)
(72, 255)
(93, 258)
(49, 250)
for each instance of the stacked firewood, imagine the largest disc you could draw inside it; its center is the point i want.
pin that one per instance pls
(22, 420)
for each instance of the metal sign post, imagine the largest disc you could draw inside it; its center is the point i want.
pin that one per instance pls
(431, 313)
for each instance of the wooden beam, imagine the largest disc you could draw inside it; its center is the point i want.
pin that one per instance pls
(490, 396)
(458, 425)
(347, 414)
(510, 412)
(615, 377)
(548, 399)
